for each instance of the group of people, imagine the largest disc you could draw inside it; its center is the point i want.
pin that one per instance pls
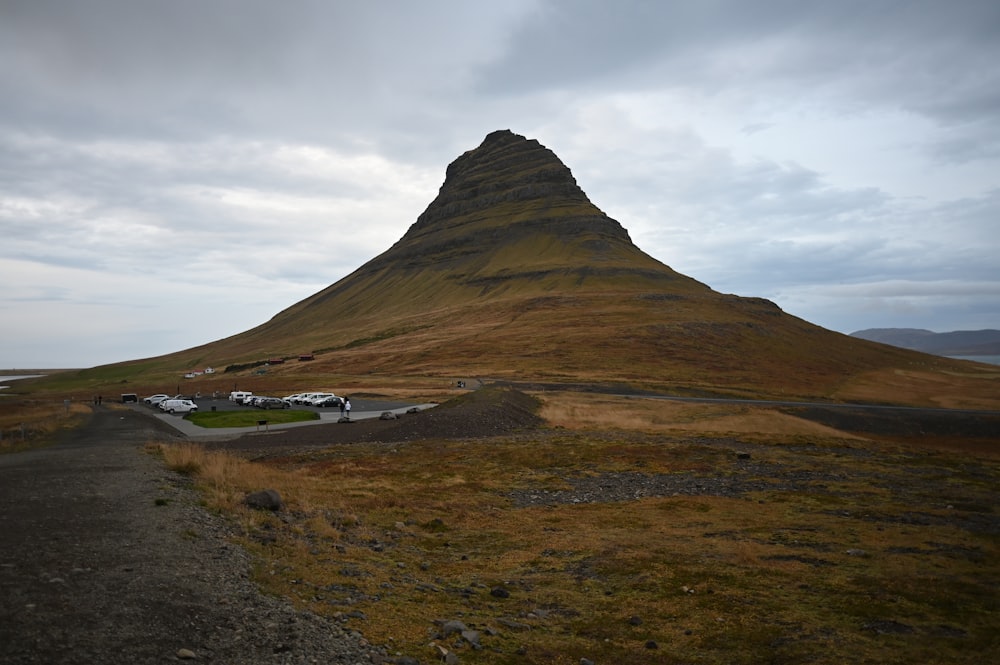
(345, 407)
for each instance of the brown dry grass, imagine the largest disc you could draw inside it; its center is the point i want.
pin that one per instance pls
(25, 422)
(601, 412)
(878, 554)
(976, 387)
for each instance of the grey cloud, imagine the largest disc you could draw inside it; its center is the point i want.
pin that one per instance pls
(932, 58)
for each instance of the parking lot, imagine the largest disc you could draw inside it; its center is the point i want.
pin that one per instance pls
(358, 405)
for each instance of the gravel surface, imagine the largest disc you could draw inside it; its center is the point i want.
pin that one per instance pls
(106, 557)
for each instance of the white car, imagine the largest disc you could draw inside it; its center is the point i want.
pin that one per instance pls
(178, 406)
(153, 400)
(316, 398)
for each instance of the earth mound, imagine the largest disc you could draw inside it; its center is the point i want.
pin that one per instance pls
(486, 412)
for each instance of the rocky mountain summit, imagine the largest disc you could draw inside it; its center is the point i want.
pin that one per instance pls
(507, 168)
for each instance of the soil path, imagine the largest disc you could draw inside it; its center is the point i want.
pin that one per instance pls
(105, 557)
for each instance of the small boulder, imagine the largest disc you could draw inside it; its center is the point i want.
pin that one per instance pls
(387, 415)
(451, 627)
(404, 660)
(264, 500)
(499, 592)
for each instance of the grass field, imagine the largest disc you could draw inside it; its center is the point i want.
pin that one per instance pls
(214, 419)
(655, 534)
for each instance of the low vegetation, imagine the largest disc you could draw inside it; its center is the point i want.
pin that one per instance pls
(629, 531)
(28, 422)
(250, 418)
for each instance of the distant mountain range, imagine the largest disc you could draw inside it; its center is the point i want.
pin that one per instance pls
(955, 343)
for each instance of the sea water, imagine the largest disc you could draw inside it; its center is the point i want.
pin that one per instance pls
(5, 379)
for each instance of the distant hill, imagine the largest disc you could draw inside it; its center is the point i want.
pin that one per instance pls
(512, 273)
(955, 343)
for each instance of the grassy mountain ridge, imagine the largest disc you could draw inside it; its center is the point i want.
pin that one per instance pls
(512, 272)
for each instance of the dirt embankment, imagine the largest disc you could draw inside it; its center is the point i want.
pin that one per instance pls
(487, 412)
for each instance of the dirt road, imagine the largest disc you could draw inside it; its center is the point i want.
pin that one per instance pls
(105, 557)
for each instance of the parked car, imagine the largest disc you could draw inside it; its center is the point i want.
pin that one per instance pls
(333, 400)
(292, 399)
(316, 398)
(153, 400)
(178, 406)
(163, 403)
(238, 396)
(271, 403)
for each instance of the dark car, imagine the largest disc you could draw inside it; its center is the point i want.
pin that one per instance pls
(271, 403)
(330, 401)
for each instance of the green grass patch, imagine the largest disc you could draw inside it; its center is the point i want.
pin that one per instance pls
(212, 419)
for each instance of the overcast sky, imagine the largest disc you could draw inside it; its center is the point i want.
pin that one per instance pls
(172, 173)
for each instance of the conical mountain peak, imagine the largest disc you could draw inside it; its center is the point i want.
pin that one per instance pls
(511, 271)
(506, 169)
(510, 208)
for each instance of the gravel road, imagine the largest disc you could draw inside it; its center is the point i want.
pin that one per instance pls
(106, 557)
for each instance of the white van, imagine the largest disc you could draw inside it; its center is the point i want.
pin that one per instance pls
(178, 406)
(239, 395)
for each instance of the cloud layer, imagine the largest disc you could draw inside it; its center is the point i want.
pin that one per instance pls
(174, 173)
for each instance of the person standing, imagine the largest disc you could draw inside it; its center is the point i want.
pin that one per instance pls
(347, 407)
(342, 407)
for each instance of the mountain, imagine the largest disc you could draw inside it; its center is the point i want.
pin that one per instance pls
(513, 273)
(955, 343)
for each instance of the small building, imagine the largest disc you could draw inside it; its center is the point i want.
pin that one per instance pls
(276, 361)
(306, 356)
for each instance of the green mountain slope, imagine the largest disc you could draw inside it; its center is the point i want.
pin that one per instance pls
(512, 273)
